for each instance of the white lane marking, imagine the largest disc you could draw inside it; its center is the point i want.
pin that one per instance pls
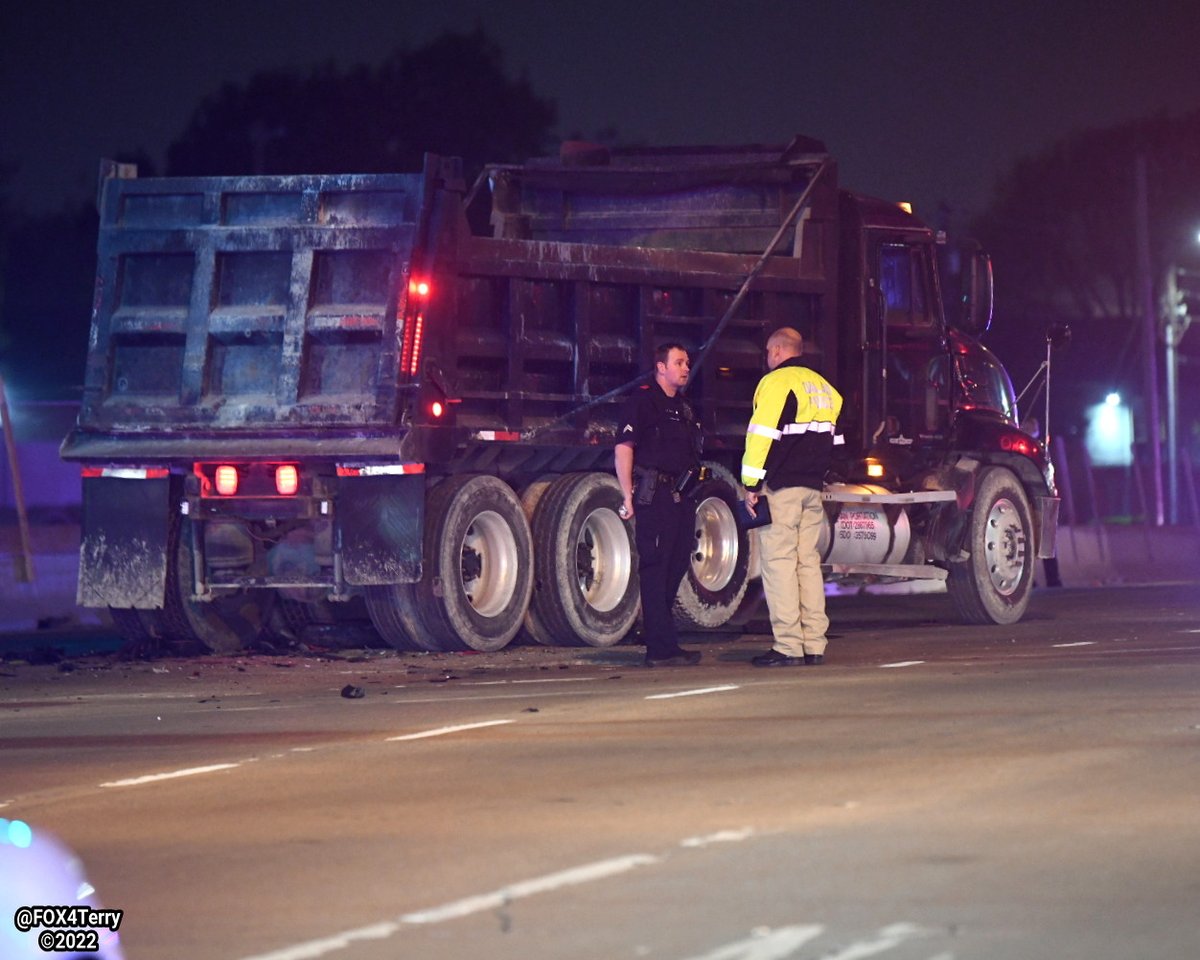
(768, 945)
(692, 693)
(528, 888)
(154, 777)
(404, 701)
(900, 663)
(441, 731)
(461, 908)
(339, 941)
(889, 937)
(1077, 643)
(721, 836)
(496, 683)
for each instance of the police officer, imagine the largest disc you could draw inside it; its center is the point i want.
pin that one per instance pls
(658, 444)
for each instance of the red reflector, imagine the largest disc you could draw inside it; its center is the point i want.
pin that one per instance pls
(287, 479)
(227, 480)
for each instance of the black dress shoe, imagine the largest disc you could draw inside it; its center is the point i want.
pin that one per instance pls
(678, 658)
(814, 659)
(773, 658)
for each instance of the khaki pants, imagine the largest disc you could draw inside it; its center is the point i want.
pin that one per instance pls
(791, 570)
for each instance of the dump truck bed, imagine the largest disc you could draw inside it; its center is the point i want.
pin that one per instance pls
(260, 316)
(254, 307)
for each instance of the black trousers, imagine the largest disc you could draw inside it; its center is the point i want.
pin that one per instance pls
(664, 538)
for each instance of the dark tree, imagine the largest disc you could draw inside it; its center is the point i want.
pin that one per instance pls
(1061, 223)
(1061, 229)
(451, 96)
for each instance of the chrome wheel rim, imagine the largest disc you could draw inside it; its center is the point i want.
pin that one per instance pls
(603, 560)
(715, 554)
(488, 564)
(1005, 547)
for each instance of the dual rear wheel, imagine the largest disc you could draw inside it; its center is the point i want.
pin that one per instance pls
(485, 581)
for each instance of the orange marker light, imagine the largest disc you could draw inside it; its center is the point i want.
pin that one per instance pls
(227, 480)
(287, 479)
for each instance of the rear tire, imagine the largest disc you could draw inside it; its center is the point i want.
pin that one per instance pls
(586, 591)
(478, 569)
(993, 584)
(224, 624)
(340, 625)
(137, 626)
(534, 629)
(392, 608)
(715, 584)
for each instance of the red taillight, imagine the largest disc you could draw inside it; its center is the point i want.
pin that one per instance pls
(437, 408)
(226, 480)
(414, 324)
(287, 479)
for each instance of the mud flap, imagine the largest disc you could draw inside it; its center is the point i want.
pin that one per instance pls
(379, 525)
(1047, 508)
(123, 548)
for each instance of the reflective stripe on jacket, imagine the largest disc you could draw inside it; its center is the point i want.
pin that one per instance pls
(793, 429)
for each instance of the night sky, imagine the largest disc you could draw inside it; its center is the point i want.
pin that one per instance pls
(927, 100)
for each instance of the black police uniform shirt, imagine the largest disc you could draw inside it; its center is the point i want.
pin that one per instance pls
(663, 430)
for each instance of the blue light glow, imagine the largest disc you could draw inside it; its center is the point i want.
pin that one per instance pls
(1110, 434)
(19, 833)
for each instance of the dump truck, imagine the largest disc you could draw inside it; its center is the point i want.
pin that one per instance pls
(400, 392)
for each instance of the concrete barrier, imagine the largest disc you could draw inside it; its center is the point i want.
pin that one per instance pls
(1098, 555)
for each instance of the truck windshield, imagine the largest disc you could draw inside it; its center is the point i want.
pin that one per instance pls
(985, 384)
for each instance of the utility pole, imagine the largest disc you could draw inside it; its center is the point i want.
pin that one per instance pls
(1175, 324)
(1149, 331)
(23, 569)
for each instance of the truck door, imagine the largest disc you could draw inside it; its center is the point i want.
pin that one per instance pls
(909, 389)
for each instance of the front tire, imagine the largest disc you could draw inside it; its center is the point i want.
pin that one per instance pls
(716, 580)
(993, 584)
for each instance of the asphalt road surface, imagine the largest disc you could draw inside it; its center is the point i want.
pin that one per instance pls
(933, 792)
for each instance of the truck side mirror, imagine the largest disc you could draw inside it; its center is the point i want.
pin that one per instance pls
(1058, 334)
(977, 312)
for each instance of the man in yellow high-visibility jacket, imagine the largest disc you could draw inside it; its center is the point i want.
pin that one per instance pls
(789, 445)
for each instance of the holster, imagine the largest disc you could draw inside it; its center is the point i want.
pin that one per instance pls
(645, 483)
